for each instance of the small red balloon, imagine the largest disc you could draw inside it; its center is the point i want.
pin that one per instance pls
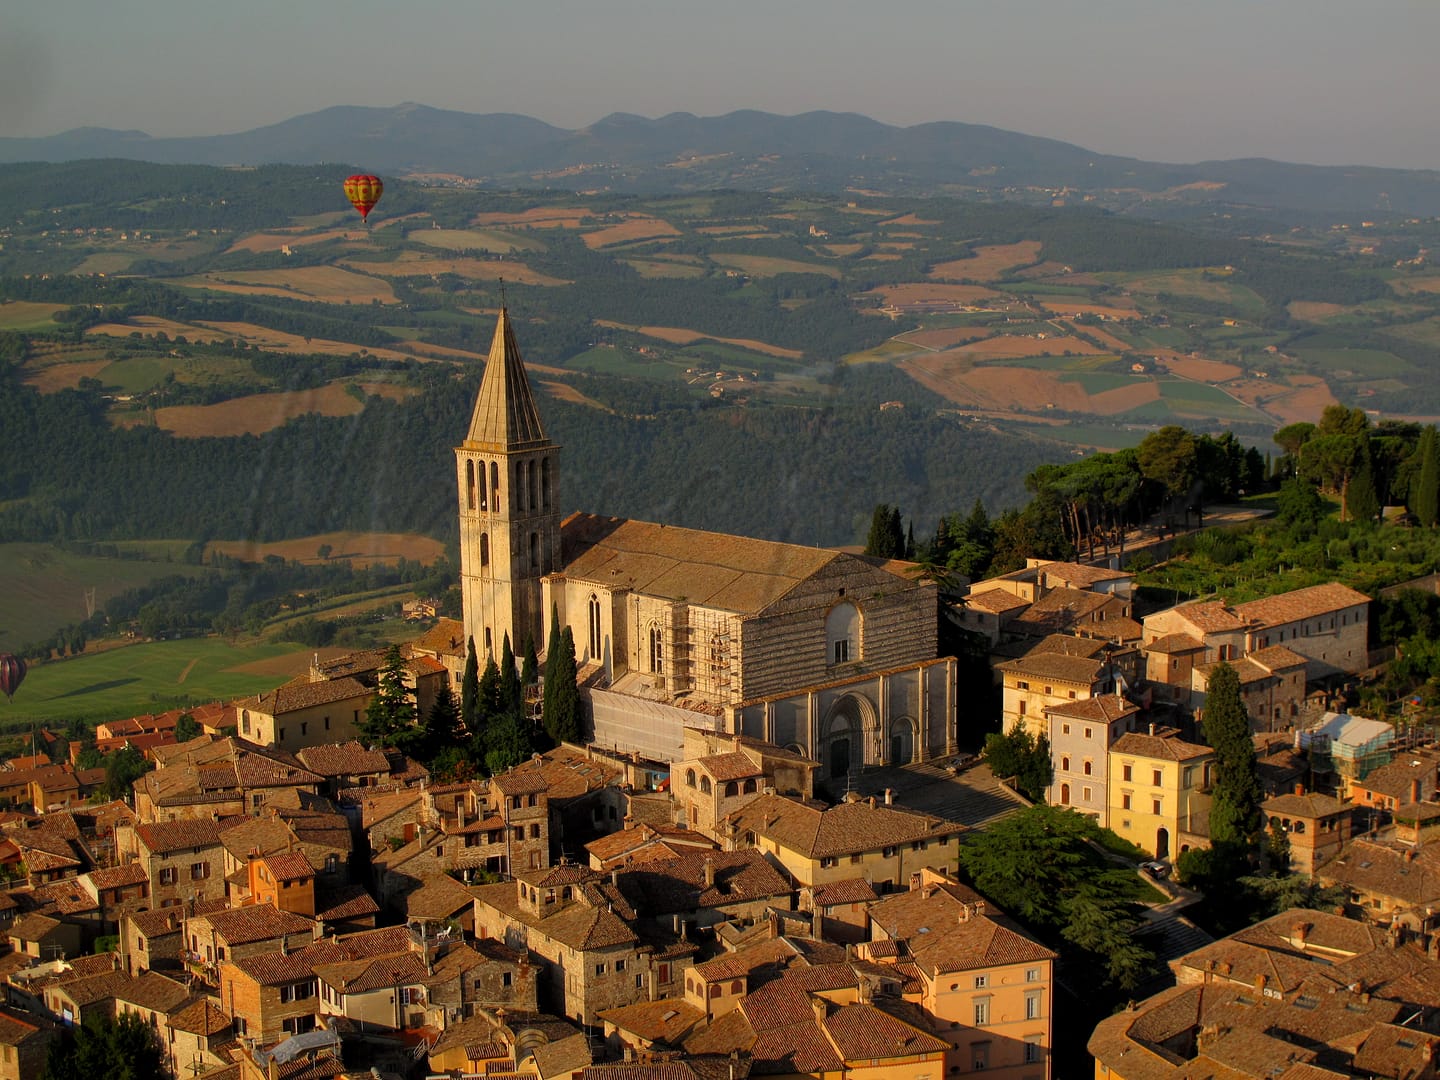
(12, 674)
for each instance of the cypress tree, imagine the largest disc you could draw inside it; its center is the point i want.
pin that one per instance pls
(470, 690)
(487, 710)
(1235, 810)
(1425, 500)
(1360, 498)
(529, 666)
(552, 677)
(567, 694)
(509, 680)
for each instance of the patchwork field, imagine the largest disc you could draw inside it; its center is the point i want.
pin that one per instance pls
(258, 413)
(476, 240)
(1120, 308)
(149, 325)
(326, 284)
(1288, 400)
(664, 268)
(945, 337)
(989, 263)
(414, 264)
(1007, 347)
(679, 336)
(769, 266)
(64, 376)
(279, 341)
(1314, 310)
(275, 241)
(539, 217)
(636, 227)
(1209, 371)
(361, 549)
(919, 292)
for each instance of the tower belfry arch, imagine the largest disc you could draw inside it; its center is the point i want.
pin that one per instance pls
(507, 476)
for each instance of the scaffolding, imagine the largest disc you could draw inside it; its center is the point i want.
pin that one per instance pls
(697, 651)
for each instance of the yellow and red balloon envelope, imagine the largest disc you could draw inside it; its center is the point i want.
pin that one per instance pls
(364, 192)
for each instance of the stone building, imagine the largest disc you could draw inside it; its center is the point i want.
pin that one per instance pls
(828, 654)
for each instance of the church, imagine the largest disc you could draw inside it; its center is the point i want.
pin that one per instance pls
(828, 654)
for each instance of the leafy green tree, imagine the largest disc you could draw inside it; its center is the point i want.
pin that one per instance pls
(470, 690)
(1169, 458)
(122, 769)
(1298, 503)
(390, 717)
(1019, 756)
(123, 1049)
(186, 728)
(1041, 865)
(1235, 806)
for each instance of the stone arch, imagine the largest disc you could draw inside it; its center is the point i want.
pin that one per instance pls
(900, 747)
(847, 735)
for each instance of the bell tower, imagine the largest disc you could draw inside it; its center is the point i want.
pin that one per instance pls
(507, 471)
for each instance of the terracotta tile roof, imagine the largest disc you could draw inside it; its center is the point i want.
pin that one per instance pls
(1079, 575)
(1100, 709)
(163, 837)
(1174, 644)
(65, 897)
(290, 866)
(865, 1033)
(1059, 609)
(945, 930)
(670, 886)
(250, 923)
(563, 1054)
(440, 897)
(1397, 779)
(274, 969)
(995, 601)
(521, 780)
(1057, 667)
(152, 990)
(373, 972)
(87, 991)
(117, 877)
(839, 830)
(1158, 747)
(1115, 628)
(344, 902)
(446, 638)
(769, 953)
(32, 927)
(1379, 869)
(733, 766)
(377, 808)
(298, 695)
(16, 1028)
(849, 891)
(667, 1020)
(1211, 617)
(343, 759)
(200, 1017)
(577, 925)
(1312, 805)
(1277, 658)
(1300, 604)
(787, 1037)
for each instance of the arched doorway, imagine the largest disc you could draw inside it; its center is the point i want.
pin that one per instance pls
(902, 741)
(1064, 794)
(843, 734)
(1162, 843)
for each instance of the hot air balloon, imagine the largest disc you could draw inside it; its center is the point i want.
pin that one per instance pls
(364, 192)
(12, 674)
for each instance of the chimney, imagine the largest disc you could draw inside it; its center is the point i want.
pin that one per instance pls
(817, 1003)
(889, 797)
(871, 801)
(1299, 789)
(1152, 727)
(1300, 931)
(615, 876)
(1415, 790)
(1260, 981)
(964, 912)
(709, 873)
(1410, 854)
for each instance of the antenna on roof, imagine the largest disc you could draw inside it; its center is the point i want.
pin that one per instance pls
(502, 290)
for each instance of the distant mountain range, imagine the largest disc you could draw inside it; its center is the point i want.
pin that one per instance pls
(821, 151)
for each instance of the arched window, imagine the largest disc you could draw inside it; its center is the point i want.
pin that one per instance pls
(481, 488)
(594, 627)
(689, 777)
(842, 633)
(705, 788)
(1089, 765)
(530, 485)
(657, 650)
(1064, 764)
(732, 789)
(470, 485)
(535, 553)
(487, 639)
(517, 500)
(749, 788)
(495, 485)
(484, 549)
(545, 483)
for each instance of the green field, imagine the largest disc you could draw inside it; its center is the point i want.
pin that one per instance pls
(142, 678)
(1201, 400)
(1369, 362)
(610, 360)
(475, 239)
(44, 587)
(25, 315)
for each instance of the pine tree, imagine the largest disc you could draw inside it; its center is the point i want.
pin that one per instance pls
(390, 716)
(1425, 499)
(470, 691)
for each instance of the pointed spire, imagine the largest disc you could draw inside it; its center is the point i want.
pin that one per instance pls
(505, 416)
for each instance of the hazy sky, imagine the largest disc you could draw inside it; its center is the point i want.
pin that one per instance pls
(1325, 81)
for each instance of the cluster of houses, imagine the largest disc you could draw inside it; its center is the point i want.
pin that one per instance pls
(697, 891)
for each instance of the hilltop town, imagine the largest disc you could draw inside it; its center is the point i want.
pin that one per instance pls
(723, 822)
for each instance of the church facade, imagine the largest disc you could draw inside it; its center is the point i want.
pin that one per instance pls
(830, 654)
